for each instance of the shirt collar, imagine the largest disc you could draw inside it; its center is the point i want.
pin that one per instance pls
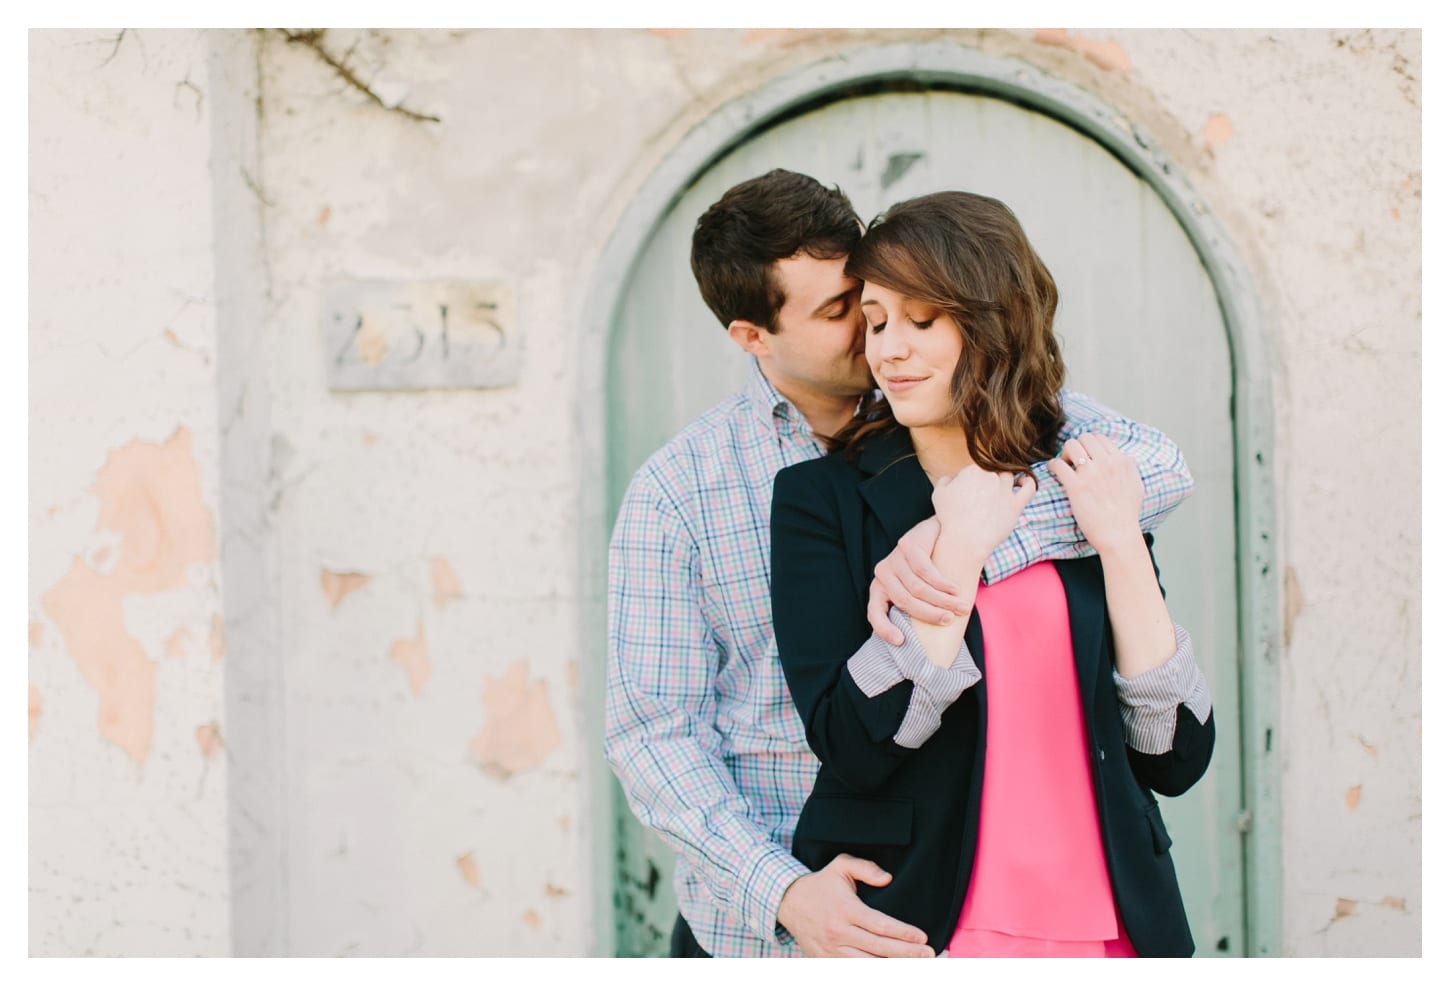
(771, 406)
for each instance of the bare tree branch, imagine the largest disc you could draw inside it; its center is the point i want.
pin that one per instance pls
(313, 39)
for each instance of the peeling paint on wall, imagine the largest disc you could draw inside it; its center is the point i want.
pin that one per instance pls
(412, 655)
(34, 711)
(521, 730)
(37, 633)
(337, 586)
(552, 891)
(469, 869)
(446, 587)
(176, 643)
(1293, 603)
(1217, 131)
(218, 640)
(532, 919)
(1351, 797)
(151, 503)
(1394, 903)
(209, 739)
(1107, 55)
(1343, 908)
(372, 344)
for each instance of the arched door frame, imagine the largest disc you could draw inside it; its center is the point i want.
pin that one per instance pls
(947, 64)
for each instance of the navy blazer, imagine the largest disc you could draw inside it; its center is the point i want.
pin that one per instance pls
(915, 811)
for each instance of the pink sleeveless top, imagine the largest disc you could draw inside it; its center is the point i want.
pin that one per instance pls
(1039, 881)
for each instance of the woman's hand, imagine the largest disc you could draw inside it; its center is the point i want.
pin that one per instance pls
(977, 509)
(1103, 489)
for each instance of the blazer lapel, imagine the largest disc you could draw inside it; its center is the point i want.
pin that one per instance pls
(895, 489)
(1087, 610)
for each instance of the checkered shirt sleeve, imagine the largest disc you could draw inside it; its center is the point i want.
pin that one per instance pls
(1047, 529)
(660, 737)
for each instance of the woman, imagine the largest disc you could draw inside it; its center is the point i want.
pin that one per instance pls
(1029, 829)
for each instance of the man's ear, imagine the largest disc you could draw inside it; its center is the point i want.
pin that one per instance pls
(752, 338)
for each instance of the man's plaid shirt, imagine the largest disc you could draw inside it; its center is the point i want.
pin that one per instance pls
(699, 724)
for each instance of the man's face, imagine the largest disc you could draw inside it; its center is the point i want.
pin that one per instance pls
(818, 345)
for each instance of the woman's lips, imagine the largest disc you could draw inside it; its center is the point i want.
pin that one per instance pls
(899, 385)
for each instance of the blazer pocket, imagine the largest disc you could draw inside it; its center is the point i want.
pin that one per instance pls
(1161, 840)
(857, 821)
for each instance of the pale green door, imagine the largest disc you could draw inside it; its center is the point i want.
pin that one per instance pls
(1141, 331)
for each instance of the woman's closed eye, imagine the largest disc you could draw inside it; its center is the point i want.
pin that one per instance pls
(920, 325)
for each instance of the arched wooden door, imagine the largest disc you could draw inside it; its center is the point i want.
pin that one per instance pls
(1141, 330)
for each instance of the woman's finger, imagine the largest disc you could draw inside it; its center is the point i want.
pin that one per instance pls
(1062, 472)
(1074, 454)
(1099, 447)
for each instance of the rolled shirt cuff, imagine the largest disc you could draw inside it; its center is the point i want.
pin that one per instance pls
(1149, 702)
(877, 666)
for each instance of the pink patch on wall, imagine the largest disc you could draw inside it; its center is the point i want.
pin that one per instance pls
(37, 633)
(34, 710)
(520, 730)
(469, 869)
(176, 643)
(218, 640)
(1351, 797)
(209, 739)
(1108, 55)
(446, 587)
(150, 495)
(413, 656)
(1217, 131)
(337, 586)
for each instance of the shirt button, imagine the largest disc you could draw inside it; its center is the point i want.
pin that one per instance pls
(1102, 754)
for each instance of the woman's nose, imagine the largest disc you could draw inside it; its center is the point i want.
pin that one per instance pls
(892, 340)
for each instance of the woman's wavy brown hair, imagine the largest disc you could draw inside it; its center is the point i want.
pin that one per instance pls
(967, 256)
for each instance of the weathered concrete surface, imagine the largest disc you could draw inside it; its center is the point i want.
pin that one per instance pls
(127, 777)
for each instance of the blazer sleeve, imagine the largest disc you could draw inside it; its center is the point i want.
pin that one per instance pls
(1167, 716)
(866, 705)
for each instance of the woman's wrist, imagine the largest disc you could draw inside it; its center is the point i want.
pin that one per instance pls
(1126, 546)
(958, 554)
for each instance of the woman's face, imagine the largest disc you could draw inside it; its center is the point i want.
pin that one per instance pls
(912, 349)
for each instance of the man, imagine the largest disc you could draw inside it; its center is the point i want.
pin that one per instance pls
(699, 724)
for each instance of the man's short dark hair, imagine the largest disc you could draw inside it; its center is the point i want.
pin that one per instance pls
(756, 223)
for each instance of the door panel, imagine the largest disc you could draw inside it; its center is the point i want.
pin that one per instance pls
(1141, 331)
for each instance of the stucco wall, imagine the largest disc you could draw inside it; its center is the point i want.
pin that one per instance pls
(421, 772)
(128, 765)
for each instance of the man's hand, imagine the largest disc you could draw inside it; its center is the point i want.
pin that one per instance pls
(908, 580)
(826, 917)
